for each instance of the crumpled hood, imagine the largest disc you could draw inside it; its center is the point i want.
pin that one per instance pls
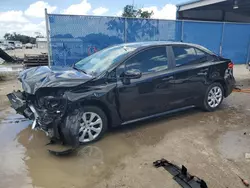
(39, 77)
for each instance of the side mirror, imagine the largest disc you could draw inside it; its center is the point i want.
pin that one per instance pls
(132, 74)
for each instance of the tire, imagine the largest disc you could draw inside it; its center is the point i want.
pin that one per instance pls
(97, 127)
(213, 97)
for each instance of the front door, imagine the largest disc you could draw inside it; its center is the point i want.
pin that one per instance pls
(149, 94)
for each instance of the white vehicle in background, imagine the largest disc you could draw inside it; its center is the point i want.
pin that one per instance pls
(3, 47)
(11, 46)
(18, 45)
(28, 46)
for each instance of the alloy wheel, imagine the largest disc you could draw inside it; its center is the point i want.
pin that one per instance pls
(90, 126)
(214, 96)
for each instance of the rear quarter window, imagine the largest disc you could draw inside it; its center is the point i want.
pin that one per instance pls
(185, 55)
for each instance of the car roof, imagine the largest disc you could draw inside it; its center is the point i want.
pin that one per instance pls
(160, 43)
(153, 43)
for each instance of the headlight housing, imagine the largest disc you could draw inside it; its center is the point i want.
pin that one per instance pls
(52, 104)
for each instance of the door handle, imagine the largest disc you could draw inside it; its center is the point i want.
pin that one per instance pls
(202, 73)
(168, 78)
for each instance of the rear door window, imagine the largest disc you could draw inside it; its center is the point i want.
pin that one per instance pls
(185, 55)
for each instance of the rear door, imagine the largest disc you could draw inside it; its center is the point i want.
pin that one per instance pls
(191, 70)
(152, 92)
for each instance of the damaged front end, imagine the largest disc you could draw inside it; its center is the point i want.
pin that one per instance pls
(52, 114)
(43, 101)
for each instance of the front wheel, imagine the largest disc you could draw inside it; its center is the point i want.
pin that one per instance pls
(213, 97)
(93, 124)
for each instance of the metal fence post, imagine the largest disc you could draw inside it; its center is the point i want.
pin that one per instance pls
(222, 38)
(47, 33)
(248, 50)
(182, 30)
(125, 29)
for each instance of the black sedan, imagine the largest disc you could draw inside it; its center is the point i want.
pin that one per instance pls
(119, 85)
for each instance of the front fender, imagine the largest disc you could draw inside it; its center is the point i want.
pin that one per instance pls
(103, 96)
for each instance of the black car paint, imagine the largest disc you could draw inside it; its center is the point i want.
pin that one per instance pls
(47, 77)
(126, 100)
(115, 96)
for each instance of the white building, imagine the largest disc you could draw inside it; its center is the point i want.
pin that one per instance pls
(41, 43)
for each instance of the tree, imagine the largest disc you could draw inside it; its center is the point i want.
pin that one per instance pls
(18, 37)
(6, 36)
(130, 11)
(145, 14)
(39, 35)
(136, 29)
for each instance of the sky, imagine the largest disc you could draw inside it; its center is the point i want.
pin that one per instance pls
(27, 16)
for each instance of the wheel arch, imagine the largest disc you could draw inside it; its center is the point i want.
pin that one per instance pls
(102, 106)
(223, 84)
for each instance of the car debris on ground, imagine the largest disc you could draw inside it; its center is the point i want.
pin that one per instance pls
(181, 175)
(247, 155)
(245, 182)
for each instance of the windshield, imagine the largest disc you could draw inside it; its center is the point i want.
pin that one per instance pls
(102, 60)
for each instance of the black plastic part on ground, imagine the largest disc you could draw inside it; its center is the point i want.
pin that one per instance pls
(181, 175)
(5, 56)
(62, 153)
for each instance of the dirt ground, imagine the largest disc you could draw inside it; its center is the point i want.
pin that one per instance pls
(211, 145)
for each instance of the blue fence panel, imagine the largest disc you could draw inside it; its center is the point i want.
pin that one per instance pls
(169, 30)
(236, 40)
(75, 37)
(138, 30)
(203, 33)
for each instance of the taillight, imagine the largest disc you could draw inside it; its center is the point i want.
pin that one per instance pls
(230, 65)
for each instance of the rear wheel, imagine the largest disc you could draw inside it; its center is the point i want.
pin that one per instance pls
(213, 97)
(93, 124)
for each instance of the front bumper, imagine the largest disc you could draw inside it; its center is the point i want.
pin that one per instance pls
(18, 102)
(42, 119)
(60, 125)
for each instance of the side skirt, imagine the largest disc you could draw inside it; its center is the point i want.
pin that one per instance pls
(158, 115)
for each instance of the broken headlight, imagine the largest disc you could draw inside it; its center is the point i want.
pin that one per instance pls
(52, 104)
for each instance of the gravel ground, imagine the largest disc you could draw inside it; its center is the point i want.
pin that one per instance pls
(211, 145)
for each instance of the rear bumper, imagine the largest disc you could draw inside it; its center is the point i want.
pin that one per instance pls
(248, 66)
(230, 85)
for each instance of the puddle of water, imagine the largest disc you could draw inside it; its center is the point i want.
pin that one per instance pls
(12, 155)
(24, 160)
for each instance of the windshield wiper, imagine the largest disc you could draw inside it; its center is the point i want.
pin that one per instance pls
(79, 70)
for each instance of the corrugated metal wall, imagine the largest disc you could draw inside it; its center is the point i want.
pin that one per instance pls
(75, 37)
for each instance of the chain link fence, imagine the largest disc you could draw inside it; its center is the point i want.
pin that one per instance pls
(73, 37)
